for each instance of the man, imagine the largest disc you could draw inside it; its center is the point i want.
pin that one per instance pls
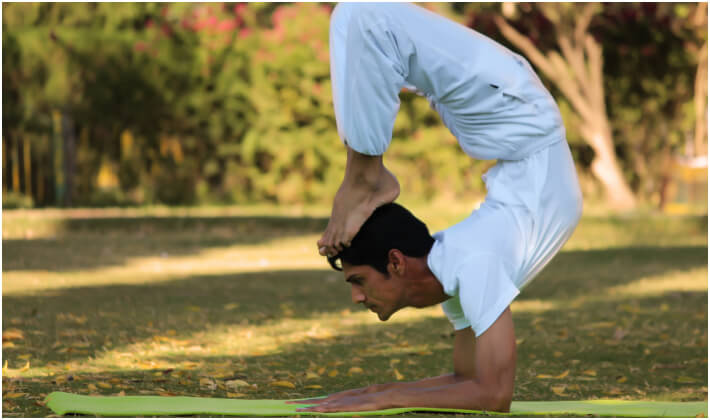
(495, 105)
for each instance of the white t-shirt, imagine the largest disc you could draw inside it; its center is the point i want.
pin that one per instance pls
(488, 97)
(476, 265)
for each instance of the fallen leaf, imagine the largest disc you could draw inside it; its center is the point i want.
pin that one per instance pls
(321, 371)
(284, 384)
(313, 387)
(104, 385)
(12, 334)
(621, 379)
(559, 390)
(354, 370)
(92, 387)
(590, 372)
(312, 375)
(544, 376)
(231, 306)
(235, 394)
(8, 345)
(236, 383)
(558, 354)
(562, 375)
(398, 375)
(686, 380)
(24, 356)
(26, 367)
(4, 367)
(333, 373)
(15, 394)
(619, 333)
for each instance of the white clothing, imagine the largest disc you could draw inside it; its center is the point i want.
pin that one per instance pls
(496, 106)
(489, 97)
(484, 261)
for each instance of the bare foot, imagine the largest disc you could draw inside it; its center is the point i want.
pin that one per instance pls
(358, 196)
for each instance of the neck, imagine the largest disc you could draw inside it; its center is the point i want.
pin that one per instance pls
(423, 288)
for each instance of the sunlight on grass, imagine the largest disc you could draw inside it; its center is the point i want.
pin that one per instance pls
(292, 253)
(675, 281)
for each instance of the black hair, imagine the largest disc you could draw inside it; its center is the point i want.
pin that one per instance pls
(390, 226)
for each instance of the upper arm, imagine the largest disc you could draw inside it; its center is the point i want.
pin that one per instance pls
(495, 358)
(464, 350)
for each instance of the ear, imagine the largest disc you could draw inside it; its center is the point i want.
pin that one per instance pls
(397, 262)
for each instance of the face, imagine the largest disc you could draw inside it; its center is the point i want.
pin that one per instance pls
(379, 293)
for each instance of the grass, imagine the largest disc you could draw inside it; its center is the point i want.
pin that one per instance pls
(230, 302)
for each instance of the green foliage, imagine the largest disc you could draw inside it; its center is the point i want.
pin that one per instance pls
(12, 200)
(232, 103)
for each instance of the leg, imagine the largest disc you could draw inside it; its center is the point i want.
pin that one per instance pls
(366, 186)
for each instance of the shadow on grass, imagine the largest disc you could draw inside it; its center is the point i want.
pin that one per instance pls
(116, 315)
(656, 349)
(89, 243)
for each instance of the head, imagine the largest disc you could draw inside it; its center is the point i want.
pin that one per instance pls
(378, 263)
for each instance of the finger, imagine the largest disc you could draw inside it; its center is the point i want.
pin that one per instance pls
(323, 251)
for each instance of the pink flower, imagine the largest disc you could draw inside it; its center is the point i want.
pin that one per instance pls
(243, 33)
(140, 46)
(227, 25)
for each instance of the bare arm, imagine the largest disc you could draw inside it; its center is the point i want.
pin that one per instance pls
(367, 185)
(481, 380)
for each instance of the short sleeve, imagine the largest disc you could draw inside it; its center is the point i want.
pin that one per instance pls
(485, 290)
(453, 311)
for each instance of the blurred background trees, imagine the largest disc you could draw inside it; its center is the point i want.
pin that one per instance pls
(141, 103)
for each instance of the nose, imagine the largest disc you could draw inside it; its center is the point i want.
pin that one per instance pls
(356, 294)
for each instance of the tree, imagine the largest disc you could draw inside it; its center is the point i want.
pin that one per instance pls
(578, 73)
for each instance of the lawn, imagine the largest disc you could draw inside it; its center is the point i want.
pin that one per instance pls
(236, 303)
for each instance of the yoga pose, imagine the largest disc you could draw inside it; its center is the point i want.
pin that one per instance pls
(497, 108)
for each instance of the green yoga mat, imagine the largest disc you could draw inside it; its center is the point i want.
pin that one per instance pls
(63, 403)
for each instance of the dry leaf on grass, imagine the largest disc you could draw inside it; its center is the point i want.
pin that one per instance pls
(590, 372)
(686, 380)
(15, 394)
(283, 384)
(562, 375)
(104, 385)
(312, 375)
(236, 383)
(559, 390)
(12, 334)
(314, 387)
(333, 373)
(398, 375)
(235, 394)
(354, 370)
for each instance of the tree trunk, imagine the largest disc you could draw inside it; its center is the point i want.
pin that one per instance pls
(606, 169)
(578, 73)
(69, 152)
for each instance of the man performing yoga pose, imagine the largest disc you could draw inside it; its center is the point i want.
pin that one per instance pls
(497, 108)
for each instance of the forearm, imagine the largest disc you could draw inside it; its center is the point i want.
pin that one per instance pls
(422, 383)
(465, 394)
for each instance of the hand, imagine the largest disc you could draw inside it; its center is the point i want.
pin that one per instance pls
(362, 402)
(343, 394)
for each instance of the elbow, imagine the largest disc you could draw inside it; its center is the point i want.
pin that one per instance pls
(500, 401)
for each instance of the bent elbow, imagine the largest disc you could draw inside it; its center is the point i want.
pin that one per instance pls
(502, 402)
(499, 400)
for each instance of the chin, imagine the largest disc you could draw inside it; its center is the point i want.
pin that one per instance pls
(383, 317)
